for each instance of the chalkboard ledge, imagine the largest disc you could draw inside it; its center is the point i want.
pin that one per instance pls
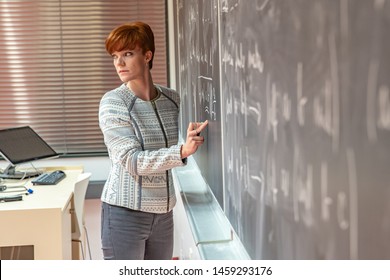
(212, 232)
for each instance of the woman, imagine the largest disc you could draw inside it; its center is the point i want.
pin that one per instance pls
(139, 121)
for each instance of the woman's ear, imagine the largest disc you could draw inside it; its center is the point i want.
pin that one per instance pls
(148, 56)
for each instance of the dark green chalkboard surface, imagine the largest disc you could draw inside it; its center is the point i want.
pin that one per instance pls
(298, 98)
(198, 60)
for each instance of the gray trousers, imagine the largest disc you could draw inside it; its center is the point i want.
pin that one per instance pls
(133, 235)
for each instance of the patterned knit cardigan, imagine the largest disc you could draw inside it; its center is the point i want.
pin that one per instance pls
(142, 142)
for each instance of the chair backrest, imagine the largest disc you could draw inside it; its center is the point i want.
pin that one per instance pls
(80, 190)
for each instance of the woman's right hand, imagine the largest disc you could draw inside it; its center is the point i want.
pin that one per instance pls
(194, 140)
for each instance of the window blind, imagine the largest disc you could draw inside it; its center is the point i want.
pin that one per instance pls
(54, 68)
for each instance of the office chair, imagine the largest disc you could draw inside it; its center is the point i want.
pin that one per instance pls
(80, 191)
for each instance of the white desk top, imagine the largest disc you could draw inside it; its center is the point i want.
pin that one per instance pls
(43, 196)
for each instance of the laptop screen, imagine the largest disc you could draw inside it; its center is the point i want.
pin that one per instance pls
(23, 144)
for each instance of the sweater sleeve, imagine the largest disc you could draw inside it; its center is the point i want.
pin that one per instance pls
(124, 146)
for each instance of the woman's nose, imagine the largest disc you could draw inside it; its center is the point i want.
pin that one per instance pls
(120, 61)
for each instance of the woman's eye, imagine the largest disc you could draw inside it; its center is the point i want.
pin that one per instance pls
(128, 54)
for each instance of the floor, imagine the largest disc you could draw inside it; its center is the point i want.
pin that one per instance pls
(92, 222)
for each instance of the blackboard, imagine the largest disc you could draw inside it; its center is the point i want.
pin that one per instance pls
(303, 118)
(199, 83)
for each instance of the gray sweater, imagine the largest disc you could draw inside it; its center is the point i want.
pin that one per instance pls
(142, 143)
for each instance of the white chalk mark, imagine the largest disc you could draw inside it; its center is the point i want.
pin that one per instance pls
(257, 187)
(256, 112)
(262, 6)
(247, 176)
(270, 177)
(295, 186)
(254, 60)
(272, 181)
(302, 191)
(286, 107)
(341, 208)
(274, 111)
(240, 58)
(268, 102)
(285, 182)
(233, 7)
(326, 201)
(224, 6)
(244, 107)
(205, 78)
(259, 179)
(229, 106)
(322, 109)
(301, 101)
(353, 205)
(373, 71)
(336, 96)
(307, 196)
(230, 163)
(384, 108)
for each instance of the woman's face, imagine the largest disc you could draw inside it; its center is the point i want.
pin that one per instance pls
(131, 64)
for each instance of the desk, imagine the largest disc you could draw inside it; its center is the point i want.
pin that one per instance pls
(42, 219)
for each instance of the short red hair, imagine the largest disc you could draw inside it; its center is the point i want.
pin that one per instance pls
(129, 36)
